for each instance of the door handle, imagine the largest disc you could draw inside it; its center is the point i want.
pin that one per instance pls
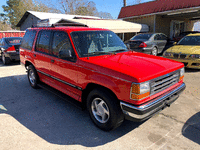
(52, 60)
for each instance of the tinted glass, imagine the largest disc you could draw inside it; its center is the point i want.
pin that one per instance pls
(43, 41)
(157, 37)
(190, 40)
(27, 41)
(97, 43)
(163, 37)
(13, 41)
(142, 36)
(61, 46)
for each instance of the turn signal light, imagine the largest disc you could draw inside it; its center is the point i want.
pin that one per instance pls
(141, 96)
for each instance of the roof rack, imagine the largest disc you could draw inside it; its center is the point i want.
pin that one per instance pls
(69, 24)
(46, 24)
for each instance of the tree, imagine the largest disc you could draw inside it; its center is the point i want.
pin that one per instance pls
(82, 7)
(135, 2)
(105, 15)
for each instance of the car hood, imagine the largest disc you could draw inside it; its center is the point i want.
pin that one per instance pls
(140, 67)
(184, 49)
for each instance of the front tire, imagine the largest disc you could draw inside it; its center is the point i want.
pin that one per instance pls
(33, 77)
(104, 109)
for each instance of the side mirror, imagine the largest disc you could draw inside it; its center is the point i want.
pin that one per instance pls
(65, 54)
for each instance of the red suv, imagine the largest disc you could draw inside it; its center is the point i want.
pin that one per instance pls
(94, 67)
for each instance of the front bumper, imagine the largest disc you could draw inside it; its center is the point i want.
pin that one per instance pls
(188, 63)
(145, 111)
(142, 50)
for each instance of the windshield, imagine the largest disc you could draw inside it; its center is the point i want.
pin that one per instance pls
(94, 43)
(190, 40)
(13, 41)
(141, 36)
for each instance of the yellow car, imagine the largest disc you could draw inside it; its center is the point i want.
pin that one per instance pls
(187, 51)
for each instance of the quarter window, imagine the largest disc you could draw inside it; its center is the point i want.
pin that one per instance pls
(27, 41)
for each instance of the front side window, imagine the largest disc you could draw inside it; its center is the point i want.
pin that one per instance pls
(97, 43)
(190, 40)
(28, 39)
(43, 41)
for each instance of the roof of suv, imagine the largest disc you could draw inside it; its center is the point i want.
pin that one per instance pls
(68, 28)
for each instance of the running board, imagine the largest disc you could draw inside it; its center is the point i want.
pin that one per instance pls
(61, 95)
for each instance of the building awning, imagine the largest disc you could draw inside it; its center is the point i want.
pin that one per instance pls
(169, 7)
(117, 26)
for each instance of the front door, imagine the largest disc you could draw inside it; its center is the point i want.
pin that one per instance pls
(63, 69)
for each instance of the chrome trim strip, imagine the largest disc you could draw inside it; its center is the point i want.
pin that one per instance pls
(144, 106)
(74, 86)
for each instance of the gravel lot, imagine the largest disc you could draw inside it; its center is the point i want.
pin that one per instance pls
(38, 120)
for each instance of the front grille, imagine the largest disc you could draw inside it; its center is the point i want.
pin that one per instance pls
(163, 82)
(185, 63)
(175, 55)
(182, 56)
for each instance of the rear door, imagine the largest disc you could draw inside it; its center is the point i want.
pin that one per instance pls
(42, 55)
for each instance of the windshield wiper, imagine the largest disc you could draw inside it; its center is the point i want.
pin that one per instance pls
(119, 50)
(98, 52)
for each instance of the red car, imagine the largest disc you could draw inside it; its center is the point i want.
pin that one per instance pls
(94, 67)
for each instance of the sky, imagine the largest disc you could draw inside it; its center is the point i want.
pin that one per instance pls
(111, 6)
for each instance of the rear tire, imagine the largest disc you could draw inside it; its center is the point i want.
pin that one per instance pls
(33, 77)
(104, 109)
(154, 51)
(5, 59)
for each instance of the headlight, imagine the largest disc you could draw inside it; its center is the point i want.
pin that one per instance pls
(140, 90)
(195, 56)
(182, 71)
(167, 54)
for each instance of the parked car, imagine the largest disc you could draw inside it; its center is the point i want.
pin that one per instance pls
(9, 49)
(187, 51)
(94, 67)
(149, 43)
(182, 34)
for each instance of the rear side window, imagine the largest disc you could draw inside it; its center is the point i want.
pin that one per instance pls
(43, 41)
(28, 39)
(157, 37)
(163, 37)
